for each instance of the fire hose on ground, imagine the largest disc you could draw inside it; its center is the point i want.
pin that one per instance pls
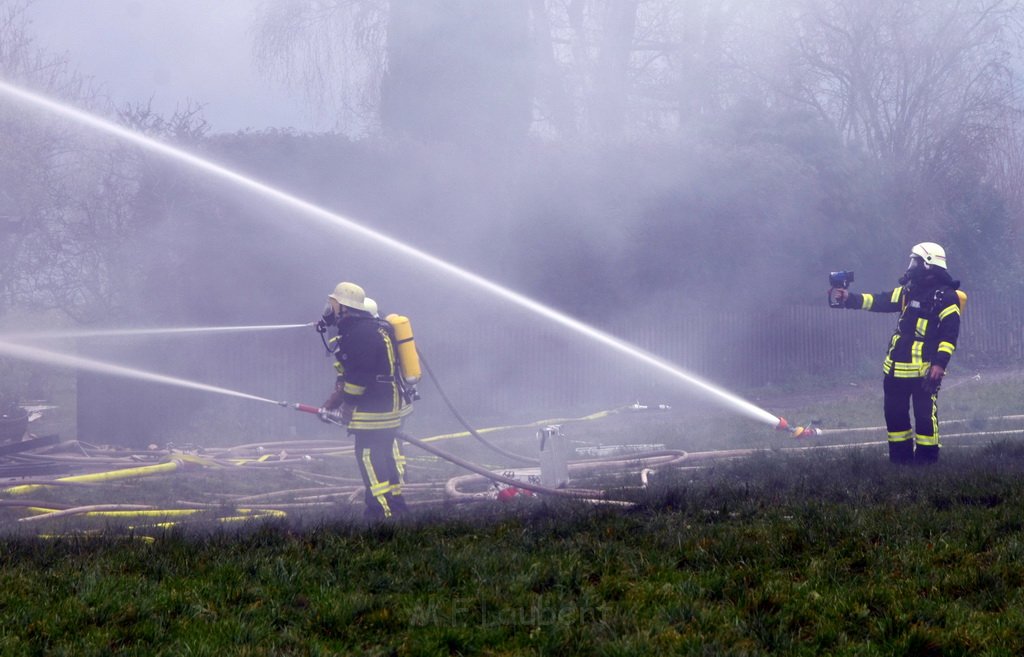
(472, 467)
(311, 498)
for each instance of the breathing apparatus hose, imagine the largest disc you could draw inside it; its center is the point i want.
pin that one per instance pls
(462, 420)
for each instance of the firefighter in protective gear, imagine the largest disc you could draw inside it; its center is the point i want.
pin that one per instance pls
(919, 350)
(367, 391)
(328, 318)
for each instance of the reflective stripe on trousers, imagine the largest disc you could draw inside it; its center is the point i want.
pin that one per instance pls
(902, 394)
(376, 457)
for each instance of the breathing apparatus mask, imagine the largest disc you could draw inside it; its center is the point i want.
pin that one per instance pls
(916, 271)
(329, 317)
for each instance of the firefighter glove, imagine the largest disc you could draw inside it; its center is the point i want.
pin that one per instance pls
(328, 417)
(837, 297)
(346, 413)
(932, 380)
(321, 326)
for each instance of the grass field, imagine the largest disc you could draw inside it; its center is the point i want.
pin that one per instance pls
(782, 552)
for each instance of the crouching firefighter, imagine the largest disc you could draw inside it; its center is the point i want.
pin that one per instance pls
(929, 303)
(368, 392)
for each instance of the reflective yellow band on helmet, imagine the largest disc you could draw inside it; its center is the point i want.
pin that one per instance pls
(900, 436)
(353, 389)
(895, 298)
(947, 347)
(950, 309)
(867, 300)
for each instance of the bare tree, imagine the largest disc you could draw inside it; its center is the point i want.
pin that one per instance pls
(333, 52)
(554, 109)
(589, 70)
(33, 154)
(74, 204)
(91, 254)
(606, 68)
(424, 67)
(921, 84)
(644, 67)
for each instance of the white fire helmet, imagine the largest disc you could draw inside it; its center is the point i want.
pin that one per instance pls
(370, 306)
(348, 294)
(931, 253)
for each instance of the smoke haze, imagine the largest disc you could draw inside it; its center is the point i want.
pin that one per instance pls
(632, 165)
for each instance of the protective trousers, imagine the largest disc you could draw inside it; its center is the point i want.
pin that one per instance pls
(900, 395)
(383, 469)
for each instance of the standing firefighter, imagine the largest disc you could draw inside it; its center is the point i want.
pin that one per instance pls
(929, 305)
(368, 391)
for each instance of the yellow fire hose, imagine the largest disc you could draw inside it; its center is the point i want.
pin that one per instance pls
(179, 460)
(113, 475)
(142, 511)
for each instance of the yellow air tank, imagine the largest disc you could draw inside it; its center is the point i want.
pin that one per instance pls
(963, 299)
(408, 359)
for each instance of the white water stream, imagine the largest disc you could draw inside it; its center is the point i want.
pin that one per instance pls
(332, 220)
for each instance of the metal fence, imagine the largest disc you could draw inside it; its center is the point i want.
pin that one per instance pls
(735, 349)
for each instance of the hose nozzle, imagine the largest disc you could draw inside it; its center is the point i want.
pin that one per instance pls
(798, 431)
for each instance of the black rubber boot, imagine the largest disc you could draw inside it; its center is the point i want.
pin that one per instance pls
(902, 452)
(398, 505)
(926, 455)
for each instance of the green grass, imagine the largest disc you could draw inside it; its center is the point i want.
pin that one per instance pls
(821, 552)
(801, 555)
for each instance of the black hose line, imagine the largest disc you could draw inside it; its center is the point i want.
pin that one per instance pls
(462, 421)
(472, 467)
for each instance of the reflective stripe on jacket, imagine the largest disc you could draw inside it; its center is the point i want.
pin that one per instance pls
(928, 326)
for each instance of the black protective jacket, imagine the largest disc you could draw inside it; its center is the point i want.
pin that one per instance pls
(371, 380)
(928, 327)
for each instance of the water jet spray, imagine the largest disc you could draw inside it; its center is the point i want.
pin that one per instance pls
(117, 333)
(336, 221)
(79, 362)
